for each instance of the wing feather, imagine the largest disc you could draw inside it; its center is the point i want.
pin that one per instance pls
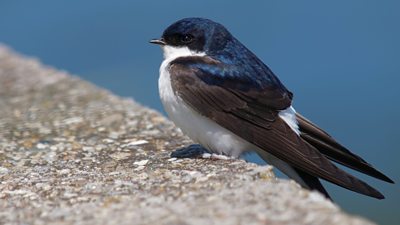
(335, 151)
(253, 115)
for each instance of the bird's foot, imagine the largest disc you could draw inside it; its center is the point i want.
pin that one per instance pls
(191, 151)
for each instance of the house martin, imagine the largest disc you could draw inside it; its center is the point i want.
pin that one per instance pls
(228, 101)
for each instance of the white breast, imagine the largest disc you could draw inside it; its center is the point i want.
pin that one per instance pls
(199, 128)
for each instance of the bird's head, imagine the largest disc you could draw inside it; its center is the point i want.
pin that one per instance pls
(196, 34)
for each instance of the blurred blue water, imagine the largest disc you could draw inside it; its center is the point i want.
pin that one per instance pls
(341, 59)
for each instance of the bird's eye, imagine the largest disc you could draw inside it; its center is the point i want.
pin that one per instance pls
(187, 38)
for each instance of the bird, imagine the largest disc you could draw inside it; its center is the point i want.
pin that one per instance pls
(223, 97)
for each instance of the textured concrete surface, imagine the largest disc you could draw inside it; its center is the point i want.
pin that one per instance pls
(72, 153)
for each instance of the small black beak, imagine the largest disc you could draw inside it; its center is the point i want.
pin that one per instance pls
(158, 41)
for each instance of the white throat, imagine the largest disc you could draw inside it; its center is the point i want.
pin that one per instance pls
(172, 52)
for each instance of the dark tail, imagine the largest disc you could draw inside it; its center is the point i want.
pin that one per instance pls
(335, 151)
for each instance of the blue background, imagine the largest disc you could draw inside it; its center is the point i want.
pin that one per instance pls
(340, 58)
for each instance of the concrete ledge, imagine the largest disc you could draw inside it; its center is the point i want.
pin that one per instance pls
(72, 153)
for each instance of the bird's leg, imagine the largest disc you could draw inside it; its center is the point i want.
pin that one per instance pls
(191, 151)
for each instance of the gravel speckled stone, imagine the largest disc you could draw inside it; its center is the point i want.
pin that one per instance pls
(72, 153)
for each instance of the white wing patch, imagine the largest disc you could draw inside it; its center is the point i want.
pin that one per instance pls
(289, 116)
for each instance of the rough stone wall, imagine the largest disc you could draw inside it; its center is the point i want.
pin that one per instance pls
(72, 153)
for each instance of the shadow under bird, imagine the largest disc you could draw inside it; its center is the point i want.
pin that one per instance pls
(226, 99)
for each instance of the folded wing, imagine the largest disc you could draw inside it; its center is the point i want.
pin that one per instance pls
(251, 111)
